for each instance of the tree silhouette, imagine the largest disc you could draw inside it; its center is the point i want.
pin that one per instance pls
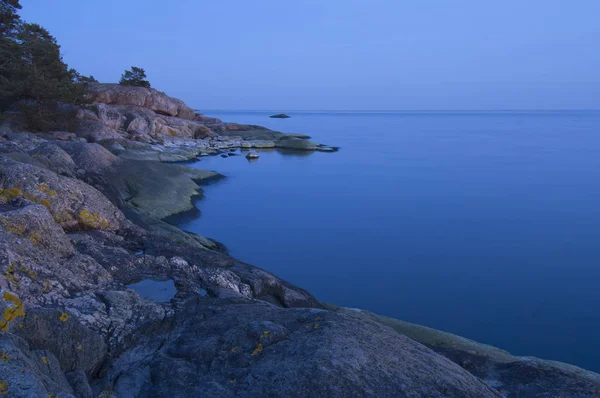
(134, 77)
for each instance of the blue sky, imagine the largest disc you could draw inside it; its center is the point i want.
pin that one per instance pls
(340, 54)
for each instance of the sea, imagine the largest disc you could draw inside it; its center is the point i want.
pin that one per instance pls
(483, 224)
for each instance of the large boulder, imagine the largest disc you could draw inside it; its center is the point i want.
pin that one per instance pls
(116, 94)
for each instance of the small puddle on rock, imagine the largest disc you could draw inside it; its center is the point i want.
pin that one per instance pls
(157, 291)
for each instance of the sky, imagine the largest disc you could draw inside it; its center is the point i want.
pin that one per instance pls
(340, 54)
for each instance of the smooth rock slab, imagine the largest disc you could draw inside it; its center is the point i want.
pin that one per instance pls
(224, 348)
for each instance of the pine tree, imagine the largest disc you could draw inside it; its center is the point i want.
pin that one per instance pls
(134, 77)
(10, 53)
(32, 71)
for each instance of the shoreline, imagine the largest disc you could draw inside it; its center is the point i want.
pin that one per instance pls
(84, 214)
(436, 339)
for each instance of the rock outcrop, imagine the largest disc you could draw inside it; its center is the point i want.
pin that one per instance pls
(115, 94)
(147, 116)
(102, 122)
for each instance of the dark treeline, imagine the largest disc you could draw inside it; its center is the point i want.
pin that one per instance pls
(34, 79)
(33, 76)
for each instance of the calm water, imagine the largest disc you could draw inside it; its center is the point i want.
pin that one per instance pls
(485, 225)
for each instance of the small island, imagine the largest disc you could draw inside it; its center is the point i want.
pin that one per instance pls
(280, 116)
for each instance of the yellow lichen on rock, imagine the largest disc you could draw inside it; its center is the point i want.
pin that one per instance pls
(93, 220)
(35, 237)
(13, 310)
(44, 188)
(20, 229)
(47, 286)
(257, 350)
(6, 195)
(45, 360)
(11, 226)
(29, 272)
(3, 388)
(62, 216)
(9, 194)
(64, 317)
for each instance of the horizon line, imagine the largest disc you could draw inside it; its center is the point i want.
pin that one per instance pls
(401, 110)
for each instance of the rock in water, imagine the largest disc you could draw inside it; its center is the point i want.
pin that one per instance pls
(280, 116)
(252, 155)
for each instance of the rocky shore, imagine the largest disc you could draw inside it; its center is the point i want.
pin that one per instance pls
(82, 217)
